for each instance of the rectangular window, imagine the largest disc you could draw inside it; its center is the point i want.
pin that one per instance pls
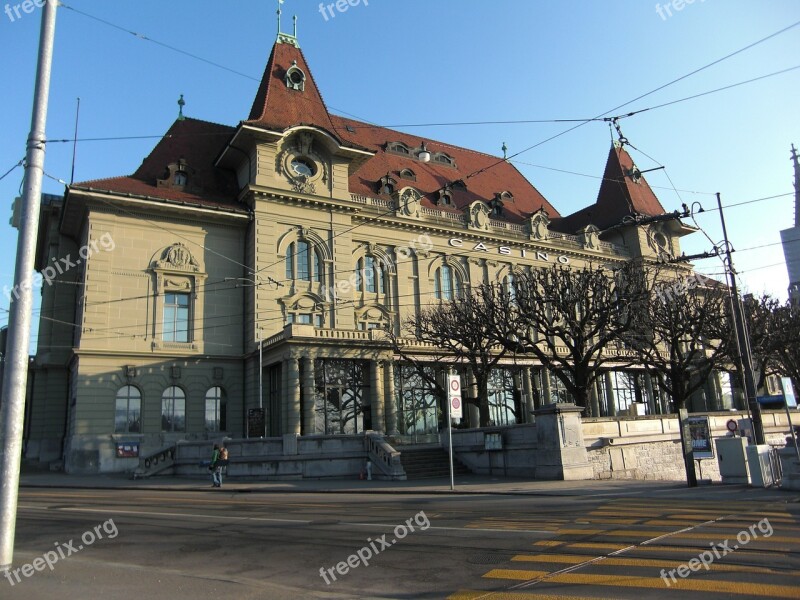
(176, 317)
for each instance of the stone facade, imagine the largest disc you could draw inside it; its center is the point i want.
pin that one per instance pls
(256, 268)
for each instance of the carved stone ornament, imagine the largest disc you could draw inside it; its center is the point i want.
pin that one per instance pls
(478, 216)
(178, 257)
(302, 185)
(539, 223)
(590, 237)
(410, 201)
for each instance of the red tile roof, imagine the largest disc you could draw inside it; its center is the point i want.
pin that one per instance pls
(279, 107)
(198, 143)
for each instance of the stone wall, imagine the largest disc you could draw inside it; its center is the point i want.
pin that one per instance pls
(649, 447)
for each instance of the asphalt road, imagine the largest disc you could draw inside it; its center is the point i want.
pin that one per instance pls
(203, 544)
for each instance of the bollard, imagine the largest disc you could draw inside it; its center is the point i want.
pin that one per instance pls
(369, 470)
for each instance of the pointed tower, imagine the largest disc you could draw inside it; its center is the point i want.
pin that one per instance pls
(791, 237)
(625, 196)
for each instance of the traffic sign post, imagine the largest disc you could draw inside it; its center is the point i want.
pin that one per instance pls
(790, 402)
(454, 410)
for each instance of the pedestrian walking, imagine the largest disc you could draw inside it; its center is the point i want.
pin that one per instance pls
(215, 468)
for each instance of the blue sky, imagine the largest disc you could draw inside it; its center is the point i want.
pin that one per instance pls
(441, 61)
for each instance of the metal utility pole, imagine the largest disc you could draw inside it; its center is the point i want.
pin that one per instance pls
(12, 413)
(742, 336)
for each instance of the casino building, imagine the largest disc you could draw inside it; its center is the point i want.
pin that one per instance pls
(258, 265)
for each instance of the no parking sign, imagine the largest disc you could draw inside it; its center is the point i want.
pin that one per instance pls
(454, 395)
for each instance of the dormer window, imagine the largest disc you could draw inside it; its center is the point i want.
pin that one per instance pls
(387, 185)
(176, 176)
(295, 78)
(180, 179)
(496, 207)
(408, 174)
(398, 148)
(445, 197)
(443, 159)
(506, 197)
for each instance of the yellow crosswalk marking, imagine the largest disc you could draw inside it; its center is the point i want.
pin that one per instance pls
(548, 543)
(576, 559)
(688, 534)
(477, 595)
(688, 584)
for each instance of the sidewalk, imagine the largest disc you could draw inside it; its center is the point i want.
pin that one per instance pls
(464, 484)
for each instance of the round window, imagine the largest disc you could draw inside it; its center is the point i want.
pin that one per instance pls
(303, 166)
(296, 77)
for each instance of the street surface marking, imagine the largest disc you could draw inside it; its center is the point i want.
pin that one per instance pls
(572, 559)
(694, 585)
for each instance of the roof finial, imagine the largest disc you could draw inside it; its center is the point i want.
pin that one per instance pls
(294, 18)
(505, 151)
(181, 104)
(279, 16)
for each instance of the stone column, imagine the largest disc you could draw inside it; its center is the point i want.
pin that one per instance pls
(611, 401)
(292, 396)
(594, 401)
(376, 395)
(652, 399)
(547, 391)
(527, 388)
(389, 401)
(309, 415)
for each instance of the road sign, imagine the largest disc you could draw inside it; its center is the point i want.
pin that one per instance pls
(454, 396)
(731, 425)
(788, 392)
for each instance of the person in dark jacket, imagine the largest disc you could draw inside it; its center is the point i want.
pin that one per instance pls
(215, 468)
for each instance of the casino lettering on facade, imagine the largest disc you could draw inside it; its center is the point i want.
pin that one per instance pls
(507, 251)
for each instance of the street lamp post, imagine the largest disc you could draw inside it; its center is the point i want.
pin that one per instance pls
(259, 340)
(742, 336)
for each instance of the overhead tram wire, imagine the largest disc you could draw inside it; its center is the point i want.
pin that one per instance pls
(338, 272)
(19, 164)
(479, 171)
(191, 55)
(369, 125)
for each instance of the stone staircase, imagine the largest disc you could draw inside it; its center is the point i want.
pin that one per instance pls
(423, 462)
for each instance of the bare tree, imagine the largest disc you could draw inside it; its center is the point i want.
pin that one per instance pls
(762, 314)
(681, 338)
(462, 328)
(785, 335)
(571, 319)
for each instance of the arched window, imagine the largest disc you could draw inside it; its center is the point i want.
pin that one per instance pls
(128, 410)
(371, 275)
(446, 283)
(216, 409)
(173, 409)
(303, 262)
